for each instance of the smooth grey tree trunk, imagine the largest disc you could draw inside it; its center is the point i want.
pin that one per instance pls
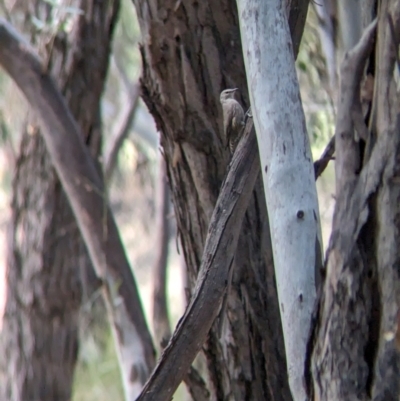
(287, 171)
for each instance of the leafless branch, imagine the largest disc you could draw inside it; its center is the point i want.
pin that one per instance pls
(123, 76)
(121, 132)
(396, 40)
(327, 38)
(161, 324)
(83, 186)
(327, 155)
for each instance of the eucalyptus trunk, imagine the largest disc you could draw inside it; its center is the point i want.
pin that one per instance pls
(288, 173)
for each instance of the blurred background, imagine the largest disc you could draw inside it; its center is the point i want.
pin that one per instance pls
(134, 180)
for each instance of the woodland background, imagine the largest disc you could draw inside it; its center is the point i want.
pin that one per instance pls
(135, 182)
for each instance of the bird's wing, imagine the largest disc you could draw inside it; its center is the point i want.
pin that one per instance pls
(233, 118)
(238, 119)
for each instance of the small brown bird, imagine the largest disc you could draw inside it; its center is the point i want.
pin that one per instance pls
(233, 118)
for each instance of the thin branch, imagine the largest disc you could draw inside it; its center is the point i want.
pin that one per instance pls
(327, 38)
(121, 132)
(327, 155)
(122, 73)
(85, 190)
(161, 324)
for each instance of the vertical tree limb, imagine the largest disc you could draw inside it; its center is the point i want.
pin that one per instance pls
(344, 329)
(323, 9)
(386, 362)
(287, 170)
(161, 324)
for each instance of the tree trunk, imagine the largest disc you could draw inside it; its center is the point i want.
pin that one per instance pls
(39, 340)
(194, 53)
(287, 171)
(354, 346)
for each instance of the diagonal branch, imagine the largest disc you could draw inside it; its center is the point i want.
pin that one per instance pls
(327, 155)
(85, 191)
(121, 132)
(221, 243)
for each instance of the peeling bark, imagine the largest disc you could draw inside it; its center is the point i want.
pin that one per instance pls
(352, 351)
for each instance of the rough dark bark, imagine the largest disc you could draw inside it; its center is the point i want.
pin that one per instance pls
(39, 340)
(353, 350)
(193, 54)
(340, 335)
(384, 356)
